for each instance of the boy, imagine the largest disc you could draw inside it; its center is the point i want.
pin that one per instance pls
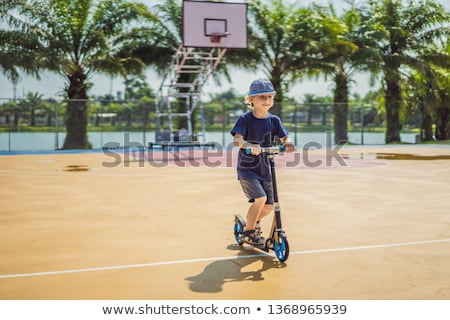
(255, 129)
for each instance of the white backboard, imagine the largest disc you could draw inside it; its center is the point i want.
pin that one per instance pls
(209, 24)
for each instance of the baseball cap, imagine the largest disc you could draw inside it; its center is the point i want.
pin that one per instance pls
(261, 86)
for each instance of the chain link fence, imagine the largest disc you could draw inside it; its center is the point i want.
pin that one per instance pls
(39, 124)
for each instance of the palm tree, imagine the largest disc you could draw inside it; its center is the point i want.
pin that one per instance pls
(17, 46)
(394, 33)
(340, 59)
(442, 131)
(31, 103)
(438, 75)
(79, 38)
(163, 44)
(285, 43)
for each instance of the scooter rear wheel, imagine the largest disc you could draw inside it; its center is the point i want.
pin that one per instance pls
(281, 248)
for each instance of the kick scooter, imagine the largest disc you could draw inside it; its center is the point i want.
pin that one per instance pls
(277, 240)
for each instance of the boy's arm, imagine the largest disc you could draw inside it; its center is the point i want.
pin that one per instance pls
(239, 141)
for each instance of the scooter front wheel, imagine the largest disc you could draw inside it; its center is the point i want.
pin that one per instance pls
(281, 248)
(237, 231)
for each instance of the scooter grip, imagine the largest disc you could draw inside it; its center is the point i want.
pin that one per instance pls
(267, 149)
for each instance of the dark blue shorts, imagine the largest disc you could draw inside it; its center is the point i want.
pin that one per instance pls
(255, 188)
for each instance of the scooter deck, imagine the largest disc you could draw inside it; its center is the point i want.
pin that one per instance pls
(264, 247)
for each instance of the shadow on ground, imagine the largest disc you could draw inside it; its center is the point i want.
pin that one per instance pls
(214, 275)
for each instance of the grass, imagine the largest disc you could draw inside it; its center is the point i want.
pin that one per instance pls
(443, 142)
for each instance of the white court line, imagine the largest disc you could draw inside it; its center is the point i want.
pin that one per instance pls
(162, 263)
(100, 173)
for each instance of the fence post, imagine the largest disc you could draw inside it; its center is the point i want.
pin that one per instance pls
(144, 124)
(9, 138)
(56, 127)
(362, 124)
(295, 124)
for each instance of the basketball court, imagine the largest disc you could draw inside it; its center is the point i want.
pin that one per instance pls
(373, 225)
(362, 223)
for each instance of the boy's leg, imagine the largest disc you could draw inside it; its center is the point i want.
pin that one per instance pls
(254, 213)
(259, 193)
(268, 206)
(254, 190)
(266, 210)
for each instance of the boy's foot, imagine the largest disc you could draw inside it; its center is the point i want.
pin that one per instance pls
(253, 238)
(258, 231)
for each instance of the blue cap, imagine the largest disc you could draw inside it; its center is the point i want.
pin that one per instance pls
(261, 86)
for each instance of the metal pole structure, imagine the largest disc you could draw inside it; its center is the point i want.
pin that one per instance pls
(56, 127)
(295, 124)
(223, 122)
(101, 127)
(202, 115)
(144, 124)
(9, 138)
(362, 124)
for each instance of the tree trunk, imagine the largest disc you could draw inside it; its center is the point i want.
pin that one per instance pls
(340, 108)
(49, 118)
(77, 115)
(277, 108)
(33, 115)
(393, 100)
(426, 133)
(442, 123)
(16, 119)
(310, 114)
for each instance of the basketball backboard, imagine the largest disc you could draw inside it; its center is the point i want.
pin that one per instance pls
(209, 24)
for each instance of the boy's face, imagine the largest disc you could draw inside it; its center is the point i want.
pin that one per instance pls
(264, 101)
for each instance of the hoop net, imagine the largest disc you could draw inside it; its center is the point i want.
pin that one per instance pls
(216, 37)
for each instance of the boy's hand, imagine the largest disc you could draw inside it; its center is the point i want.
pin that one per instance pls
(255, 148)
(289, 146)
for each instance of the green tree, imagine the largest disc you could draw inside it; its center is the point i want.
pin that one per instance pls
(436, 71)
(285, 43)
(18, 44)
(82, 37)
(338, 49)
(393, 34)
(222, 105)
(420, 99)
(12, 108)
(49, 107)
(316, 107)
(442, 131)
(31, 103)
(162, 44)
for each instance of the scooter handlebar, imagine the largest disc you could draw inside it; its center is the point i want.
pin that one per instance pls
(268, 150)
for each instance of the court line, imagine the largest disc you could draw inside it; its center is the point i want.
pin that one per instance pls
(162, 263)
(100, 173)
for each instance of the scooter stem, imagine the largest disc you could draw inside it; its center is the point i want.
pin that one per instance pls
(276, 203)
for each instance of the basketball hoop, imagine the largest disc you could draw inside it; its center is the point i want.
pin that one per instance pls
(216, 37)
(208, 24)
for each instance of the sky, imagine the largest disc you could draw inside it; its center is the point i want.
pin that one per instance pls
(52, 85)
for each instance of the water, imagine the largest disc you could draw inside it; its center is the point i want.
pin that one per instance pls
(41, 141)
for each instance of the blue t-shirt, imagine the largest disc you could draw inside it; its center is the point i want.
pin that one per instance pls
(257, 131)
